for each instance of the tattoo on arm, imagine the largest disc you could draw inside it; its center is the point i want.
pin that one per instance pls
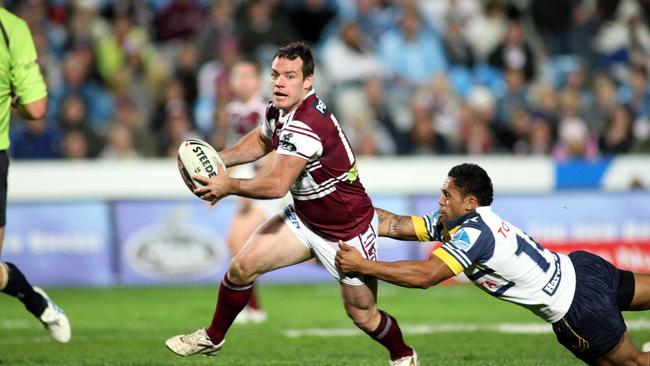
(396, 227)
(394, 224)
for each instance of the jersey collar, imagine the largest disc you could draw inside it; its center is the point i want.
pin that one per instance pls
(455, 224)
(283, 118)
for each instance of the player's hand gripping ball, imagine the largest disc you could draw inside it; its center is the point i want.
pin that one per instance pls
(197, 157)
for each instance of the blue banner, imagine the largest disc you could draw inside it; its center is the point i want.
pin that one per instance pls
(60, 244)
(172, 241)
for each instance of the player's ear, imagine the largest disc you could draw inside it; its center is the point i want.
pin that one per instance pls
(308, 82)
(470, 203)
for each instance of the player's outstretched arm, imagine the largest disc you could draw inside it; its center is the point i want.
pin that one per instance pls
(419, 274)
(249, 148)
(395, 226)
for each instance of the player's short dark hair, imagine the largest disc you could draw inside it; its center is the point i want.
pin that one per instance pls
(294, 50)
(473, 180)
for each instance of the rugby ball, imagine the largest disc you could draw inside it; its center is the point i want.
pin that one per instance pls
(197, 157)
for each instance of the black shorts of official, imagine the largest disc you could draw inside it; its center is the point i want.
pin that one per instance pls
(4, 170)
(594, 325)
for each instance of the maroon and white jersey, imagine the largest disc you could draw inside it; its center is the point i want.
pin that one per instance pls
(244, 117)
(328, 194)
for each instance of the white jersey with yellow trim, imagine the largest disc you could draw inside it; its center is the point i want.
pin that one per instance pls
(503, 260)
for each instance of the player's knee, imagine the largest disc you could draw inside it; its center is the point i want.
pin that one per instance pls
(241, 272)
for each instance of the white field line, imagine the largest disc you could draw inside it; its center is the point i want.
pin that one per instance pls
(412, 329)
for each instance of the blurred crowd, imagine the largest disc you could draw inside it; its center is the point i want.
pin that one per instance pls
(133, 78)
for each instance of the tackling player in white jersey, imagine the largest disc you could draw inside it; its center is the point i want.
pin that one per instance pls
(581, 295)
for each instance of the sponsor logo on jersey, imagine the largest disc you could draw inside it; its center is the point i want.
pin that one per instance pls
(465, 238)
(553, 283)
(286, 144)
(320, 106)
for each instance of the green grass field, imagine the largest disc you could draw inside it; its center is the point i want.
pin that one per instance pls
(448, 325)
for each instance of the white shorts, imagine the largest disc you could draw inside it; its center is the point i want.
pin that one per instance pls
(325, 250)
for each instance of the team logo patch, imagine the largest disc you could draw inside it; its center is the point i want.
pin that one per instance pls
(286, 144)
(465, 238)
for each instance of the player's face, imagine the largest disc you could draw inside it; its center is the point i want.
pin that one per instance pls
(245, 80)
(288, 83)
(452, 202)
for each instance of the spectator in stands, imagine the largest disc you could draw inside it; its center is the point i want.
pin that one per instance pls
(177, 127)
(476, 120)
(36, 141)
(439, 13)
(178, 20)
(514, 52)
(514, 136)
(171, 97)
(348, 60)
(365, 143)
(636, 92)
(310, 18)
(412, 54)
(544, 105)
(605, 102)
(75, 146)
(374, 17)
(119, 144)
(220, 24)
(383, 114)
(553, 21)
(445, 106)
(349, 63)
(485, 31)
(458, 50)
(622, 38)
(515, 97)
(81, 27)
(128, 116)
(127, 46)
(187, 65)
(540, 140)
(576, 82)
(617, 137)
(263, 29)
(574, 141)
(77, 81)
(74, 118)
(424, 138)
